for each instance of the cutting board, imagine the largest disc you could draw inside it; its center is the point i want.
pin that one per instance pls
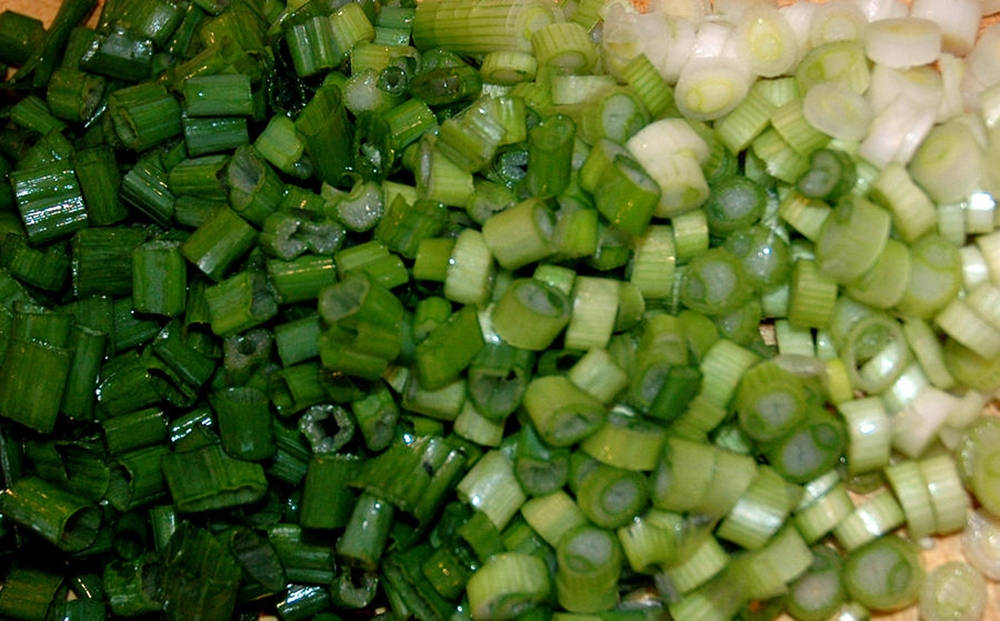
(944, 549)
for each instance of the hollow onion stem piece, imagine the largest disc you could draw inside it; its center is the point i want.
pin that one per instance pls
(953, 591)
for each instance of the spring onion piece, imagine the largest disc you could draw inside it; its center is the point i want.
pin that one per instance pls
(838, 21)
(760, 512)
(531, 314)
(910, 488)
(903, 42)
(812, 296)
(768, 40)
(836, 110)
(714, 283)
(652, 269)
(209, 212)
(953, 590)
(588, 563)
(841, 62)
(735, 204)
(681, 479)
(539, 469)
(939, 168)
(975, 456)
(868, 428)
(854, 223)
(885, 574)
(810, 449)
(884, 284)
(803, 214)
(704, 562)
(947, 495)
(770, 402)
(823, 515)
(709, 88)
(520, 235)
(979, 543)
(818, 593)
(507, 585)
(644, 441)
(912, 211)
(597, 374)
(62, 518)
(876, 516)
(631, 195)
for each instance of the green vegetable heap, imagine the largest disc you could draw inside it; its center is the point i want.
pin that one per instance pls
(340, 309)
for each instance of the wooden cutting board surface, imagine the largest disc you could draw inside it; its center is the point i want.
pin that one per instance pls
(945, 548)
(44, 10)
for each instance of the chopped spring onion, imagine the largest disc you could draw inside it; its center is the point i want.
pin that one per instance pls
(854, 223)
(531, 314)
(588, 561)
(709, 88)
(903, 42)
(836, 21)
(837, 110)
(947, 163)
(601, 204)
(842, 62)
(715, 283)
(935, 276)
(507, 585)
(767, 41)
(818, 593)
(771, 402)
(981, 544)
(885, 574)
(735, 204)
(953, 590)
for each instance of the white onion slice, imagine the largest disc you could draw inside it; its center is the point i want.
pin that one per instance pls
(921, 85)
(915, 137)
(765, 39)
(799, 16)
(981, 543)
(902, 124)
(805, 367)
(693, 11)
(952, 592)
(711, 39)
(836, 21)
(667, 42)
(666, 138)
(968, 409)
(875, 10)
(949, 164)
(958, 19)
(976, 125)
(732, 10)
(620, 37)
(950, 436)
(836, 110)
(991, 174)
(975, 270)
(989, 245)
(984, 59)
(611, 6)
(903, 42)
(989, 104)
(971, 89)
(918, 423)
(905, 389)
(952, 70)
(709, 88)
